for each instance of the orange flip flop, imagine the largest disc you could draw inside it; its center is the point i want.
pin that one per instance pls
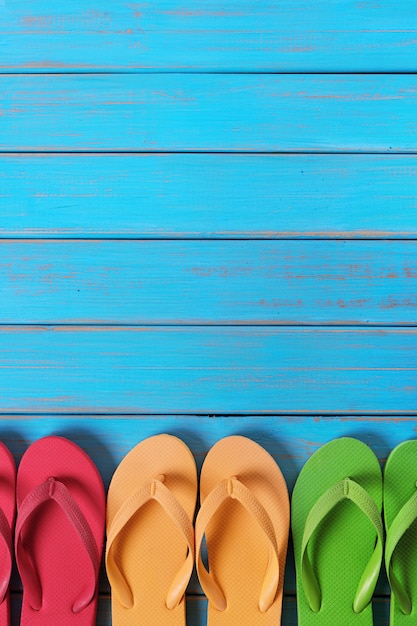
(244, 516)
(150, 536)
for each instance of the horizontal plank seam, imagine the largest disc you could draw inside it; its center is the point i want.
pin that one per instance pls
(403, 415)
(303, 236)
(22, 71)
(341, 152)
(234, 324)
(105, 153)
(318, 415)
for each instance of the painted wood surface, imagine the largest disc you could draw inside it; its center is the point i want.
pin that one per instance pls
(214, 112)
(290, 439)
(214, 35)
(208, 282)
(196, 202)
(231, 196)
(216, 370)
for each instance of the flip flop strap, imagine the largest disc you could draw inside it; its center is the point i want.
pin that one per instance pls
(401, 523)
(344, 490)
(55, 490)
(234, 489)
(152, 490)
(6, 537)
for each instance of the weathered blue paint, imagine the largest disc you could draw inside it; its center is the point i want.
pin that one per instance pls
(257, 35)
(290, 439)
(112, 331)
(208, 195)
(214, 112)
(197, 369)
(208, 282)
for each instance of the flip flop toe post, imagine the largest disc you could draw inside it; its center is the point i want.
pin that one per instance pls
(150, 536)
(244, 517)
(59, 534)
(338, 534)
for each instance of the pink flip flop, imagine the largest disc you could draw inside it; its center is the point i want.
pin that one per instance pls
(59, 533)
(7, 515)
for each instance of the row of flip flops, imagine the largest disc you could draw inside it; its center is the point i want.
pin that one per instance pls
(243, 523)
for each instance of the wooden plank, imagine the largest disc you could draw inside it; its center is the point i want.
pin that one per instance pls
(199, 369)
(290, 439)
(223, 112)
(337, 196)
(208, 282)
(289, 35)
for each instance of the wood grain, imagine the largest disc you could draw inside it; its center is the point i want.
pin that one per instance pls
(290, 439)
(231, 196)
(208, 370)
(257, 35)
(214, 112)
(208, 282)
(196, 202)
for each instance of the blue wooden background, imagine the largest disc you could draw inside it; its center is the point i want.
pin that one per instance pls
(208, 226)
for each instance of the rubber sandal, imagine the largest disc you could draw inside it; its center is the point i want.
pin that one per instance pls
(244, 517)
(7, 515)
(400, 511)
(59, 533)
(150, 536)
(338, 534)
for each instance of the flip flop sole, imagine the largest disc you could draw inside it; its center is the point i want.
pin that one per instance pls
(150, 550)
(237, 549)
(400, 481)
(59, 556)
(345, 540)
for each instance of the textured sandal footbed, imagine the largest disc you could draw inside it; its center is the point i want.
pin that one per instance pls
(150, 550)
(400, 476)
(237, 550)
(344, 542)
(58, 554)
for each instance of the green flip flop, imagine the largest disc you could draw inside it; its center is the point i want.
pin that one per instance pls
(338, 534)
(400, 511)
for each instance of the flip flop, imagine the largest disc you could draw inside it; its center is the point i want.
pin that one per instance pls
(7, 515)
(244, 517)
(400, 510)
(59, 533)
(338, 534)
(150, 536)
